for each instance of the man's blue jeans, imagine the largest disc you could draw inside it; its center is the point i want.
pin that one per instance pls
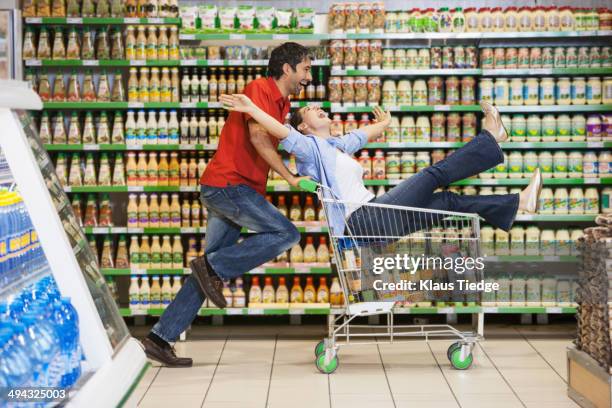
(480, 154)
(229, 209)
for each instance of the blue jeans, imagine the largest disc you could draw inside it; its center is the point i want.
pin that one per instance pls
(229, 209)
(480, 154)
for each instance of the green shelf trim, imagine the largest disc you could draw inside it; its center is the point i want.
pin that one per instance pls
(555, 108)
(405, 72)
(98, 20)
(525, 181)
(102, 63)
(240, 36)
(556, 218)
(470, 35)
(128, 272)
(185, 230)
(337, 108)
(131, 105)
(96, 189)
(507, 145)
(546, 71)
(238, 62)
(301, 104)
(542, 310)
(124, 147)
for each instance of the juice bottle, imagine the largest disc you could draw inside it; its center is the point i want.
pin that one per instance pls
(133, 86)
(185, 88)
(268, 294)
(154, 212)
(203, 129)
(213, 130)
(166, 253)
(173, 170)
(134, 294)
(162, 178)
(156, 293)
(310, 254)
(176, 286)
(282, 293)
(322, 291)
(177, 253)
(165, 86)
(118, 171)
(166, 292)
(141, 170)
(143, 212)
(193, 171)
(151, 128)
(154, 86)
(141, 44)
(132, 170)
(141, 129)
(130, 43)
(336, 296)
(134, 252)
(193, 130)
(201, 164)
(132, 212)
(297, 294)
(145, 253)
(196, 210)
(185, 214)
(192, 252)
(184, 172)
(162, 44)
(255, 295)
(173, 128)
(143, 85)
(310, 295)
(175, 212)
(145, 294)
(152, 170)
(156, 254)
(164, 212)
(173, 44)
(174, 78)
(322, 251)
(239, 299)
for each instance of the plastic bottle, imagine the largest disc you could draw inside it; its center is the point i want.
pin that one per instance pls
(155, 302)
(282, 293)
(152, 129)
(561, 201)
(176, 286)
(309, 291)
(297, 294)
(141, 129)
(255, 294)
(591, 201)
(143, 292)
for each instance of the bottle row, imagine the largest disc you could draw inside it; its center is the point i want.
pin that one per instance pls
(100, 8)
(164, 252)
(518, 290)
(140, 128)
(516, 164)
(529, 241)
(153, 292)
(137, 43)
(561, 128)
(39, 341)
(238, 52)
(545, 57)
(20, 250)
(364, 18)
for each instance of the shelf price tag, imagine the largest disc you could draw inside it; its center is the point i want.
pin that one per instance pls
(131, 20)
(99, 230)
(592, 181)
(91, 147)
(256, 62)
(34, 20)
(302, 268)
(135, 105)
(33, 63)
(91, 63)
(550, 258)
(135, 230)
(235, 62)
(553, 310)
(188, 230)
(233, 311)
(189, 63)
(489, 310)
(187, 147)
(187, 105)
(442, 108)
(74, 20)
(187, 37)
(156, 21)
(280, 36)
(187, 189)
(237, 37)
(135, 189)
(138, 63)
(595, 144)
(255, 311)
(313, 229)
(295, 311)
(258, 271)
(446, 310)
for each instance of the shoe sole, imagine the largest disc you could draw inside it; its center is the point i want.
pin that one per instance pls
(205, 287)
(154, 357)
(537, 205)
(495, 112)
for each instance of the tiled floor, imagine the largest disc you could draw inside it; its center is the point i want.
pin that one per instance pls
(273, 366)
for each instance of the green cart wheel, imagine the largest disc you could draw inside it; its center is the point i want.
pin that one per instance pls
(319, 348)
(457, 362)
(451, 348)
(328, 368)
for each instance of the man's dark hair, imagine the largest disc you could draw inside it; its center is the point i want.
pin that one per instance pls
(287, 53)
(296, 118)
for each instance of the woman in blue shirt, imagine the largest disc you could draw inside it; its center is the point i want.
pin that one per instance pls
(327, 160)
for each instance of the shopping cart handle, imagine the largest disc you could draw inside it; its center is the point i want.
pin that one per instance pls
(308, 185)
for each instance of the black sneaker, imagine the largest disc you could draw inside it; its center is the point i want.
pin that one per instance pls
(165, 355)
(210, 283)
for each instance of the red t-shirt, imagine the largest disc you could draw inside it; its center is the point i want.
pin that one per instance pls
(236, 160)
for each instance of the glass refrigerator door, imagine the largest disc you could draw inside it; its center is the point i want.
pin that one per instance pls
(5, 63)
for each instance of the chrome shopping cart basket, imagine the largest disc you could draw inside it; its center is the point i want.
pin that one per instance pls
(375, 253)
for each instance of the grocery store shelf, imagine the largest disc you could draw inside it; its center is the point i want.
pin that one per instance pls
(96, 20)
(302, 226)
(239, 62)
(501, 182)
(546, 71)
(131, 105)
(506, 145)
(126, 147)
(339, 108)
(404, 72)
(237, 36)
(532, 258)
(244, 311)
(555, 108)
(485, 35)
(101, 63)
(294, 269)
(556, 217)
(301, 104)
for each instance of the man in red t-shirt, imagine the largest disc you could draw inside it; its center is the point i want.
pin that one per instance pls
(233, 191)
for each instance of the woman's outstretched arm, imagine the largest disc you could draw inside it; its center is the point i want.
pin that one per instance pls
(242, 103)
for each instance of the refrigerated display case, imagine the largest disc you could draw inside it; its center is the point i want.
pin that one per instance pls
(10, 40)
(114, 360)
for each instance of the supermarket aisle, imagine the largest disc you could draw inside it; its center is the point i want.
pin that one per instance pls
(266, 367)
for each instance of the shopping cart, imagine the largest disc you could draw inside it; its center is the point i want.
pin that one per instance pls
(387, 231)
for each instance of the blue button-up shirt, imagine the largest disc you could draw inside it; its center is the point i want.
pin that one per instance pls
(316, 157)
